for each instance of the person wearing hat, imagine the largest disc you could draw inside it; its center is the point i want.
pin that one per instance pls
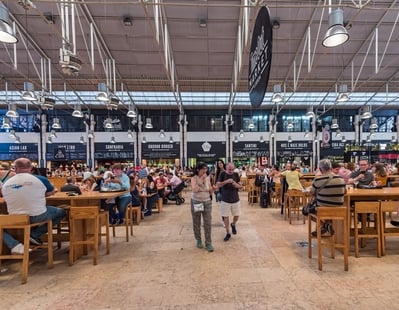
(88, 183)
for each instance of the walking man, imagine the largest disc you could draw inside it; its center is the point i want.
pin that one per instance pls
(229, 183)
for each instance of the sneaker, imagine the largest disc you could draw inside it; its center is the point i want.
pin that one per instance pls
(233, 229)
(395, 223)
(35, 241)
(199, 244)
(227, 238)
(19, 249)
(323, 231)
(121, 222)
(209, 247)
(330, 229)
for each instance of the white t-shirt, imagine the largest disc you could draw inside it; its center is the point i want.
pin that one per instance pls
(25, 193)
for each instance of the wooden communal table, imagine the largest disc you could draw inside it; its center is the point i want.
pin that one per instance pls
(85, 199)
(358, 194)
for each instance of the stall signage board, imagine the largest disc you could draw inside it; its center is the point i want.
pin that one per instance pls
(295, 148)
(166, 150)
(114, 150)
(250, 149)
(66, 151)
(337, 148)
(260, 57)
(206, 149)
(12, 151)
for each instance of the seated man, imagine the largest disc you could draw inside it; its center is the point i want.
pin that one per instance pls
(161, 182)
(70, 186)
(26, 193)
(363, 176)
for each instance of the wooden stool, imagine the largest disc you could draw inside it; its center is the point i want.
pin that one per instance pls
(85, 214)
(296, 200)
(22, 222)
(136, 211)
(333, 214)
(363, 208)
(157, 208)
(253, 194)
(387, 206)
(128, 222)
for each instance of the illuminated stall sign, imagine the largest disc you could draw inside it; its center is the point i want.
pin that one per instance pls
(250, 149)
(209, 150)
(295, 148)
(165, 150)
(12, 151)
(66, 151)
(114, 150)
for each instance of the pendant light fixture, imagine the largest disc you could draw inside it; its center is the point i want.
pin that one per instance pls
(343, 139)
(393, 139)
(29, 92)
(102, 93)
(171, 139)
(12, 111)
(251, 124)
(261, 140)
(277, 95)
(235, 139)
(241, 134)
(306, 135)
(53, 134)
(336, 33)
(373, 123)
(162, 134)
(289, 139)
(131, 113)
(338, 133)
(90, 134)
(272, 134)
(309, 112)
(17, 139)
(148, 123)
(366, 112)
(108, 123)
(82, 140)
(12, 134)
(144, 140)
(7, 33)
(6, 123)
(49, 140)
(290, 124)
(112, 140)
(56, 123)
(77, 112)
(343, 94)
(130, 134)
(334, 124)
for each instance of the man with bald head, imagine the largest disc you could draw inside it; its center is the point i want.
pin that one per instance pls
(25, 193)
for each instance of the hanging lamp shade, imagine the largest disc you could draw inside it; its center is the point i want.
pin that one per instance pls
(277, 95)
(29, 92)
(108, 123)
(261, 140)
(336, 33)
(290, 124)
(309, 112)
(343, 139)
(272, 134)
(144, 140)
(393, 139)
(12, 134)
(171, 139)
(130, 134)
(7, 34)
(148, 123)
(131, 113)
(373, 123)
(343, 94)
(334, 124)
(338, 133)
(102, 93)
(289, 139)
(112, 140)
(56, 123)
(251, 124)
(6, 123)
(53, 134)
(90, 134)
(235, 139)
(162, 134)
(77, 112)
(82, 140)
(12, 111)
(241, 134)
(366, 113)
(17, 139)
(49, 140)
(306, 135)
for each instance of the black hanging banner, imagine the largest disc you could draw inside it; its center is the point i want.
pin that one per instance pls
(260, 57)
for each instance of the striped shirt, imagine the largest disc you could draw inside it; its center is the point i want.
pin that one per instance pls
(332, 194)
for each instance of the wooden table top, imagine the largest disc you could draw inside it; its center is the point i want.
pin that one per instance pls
(86, 195)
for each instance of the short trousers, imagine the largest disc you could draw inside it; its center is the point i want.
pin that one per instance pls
(227, 209)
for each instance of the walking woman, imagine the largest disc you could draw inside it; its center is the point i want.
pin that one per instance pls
(201, 204)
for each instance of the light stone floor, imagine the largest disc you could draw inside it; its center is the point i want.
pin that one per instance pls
(262, 267)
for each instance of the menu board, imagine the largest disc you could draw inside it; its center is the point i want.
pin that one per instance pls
(12, 151)
(295, 148)
(66, 151)
(114, 150)
(210, 150)
(250, 149)
(160, 150)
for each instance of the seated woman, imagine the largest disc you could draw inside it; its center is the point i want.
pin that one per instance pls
(135, 191)
(380, 175)
(151, 195)
(89, 183)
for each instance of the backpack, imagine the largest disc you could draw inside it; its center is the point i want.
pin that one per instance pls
(258, 180)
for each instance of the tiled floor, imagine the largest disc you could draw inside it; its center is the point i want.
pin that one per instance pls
(262, 267)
